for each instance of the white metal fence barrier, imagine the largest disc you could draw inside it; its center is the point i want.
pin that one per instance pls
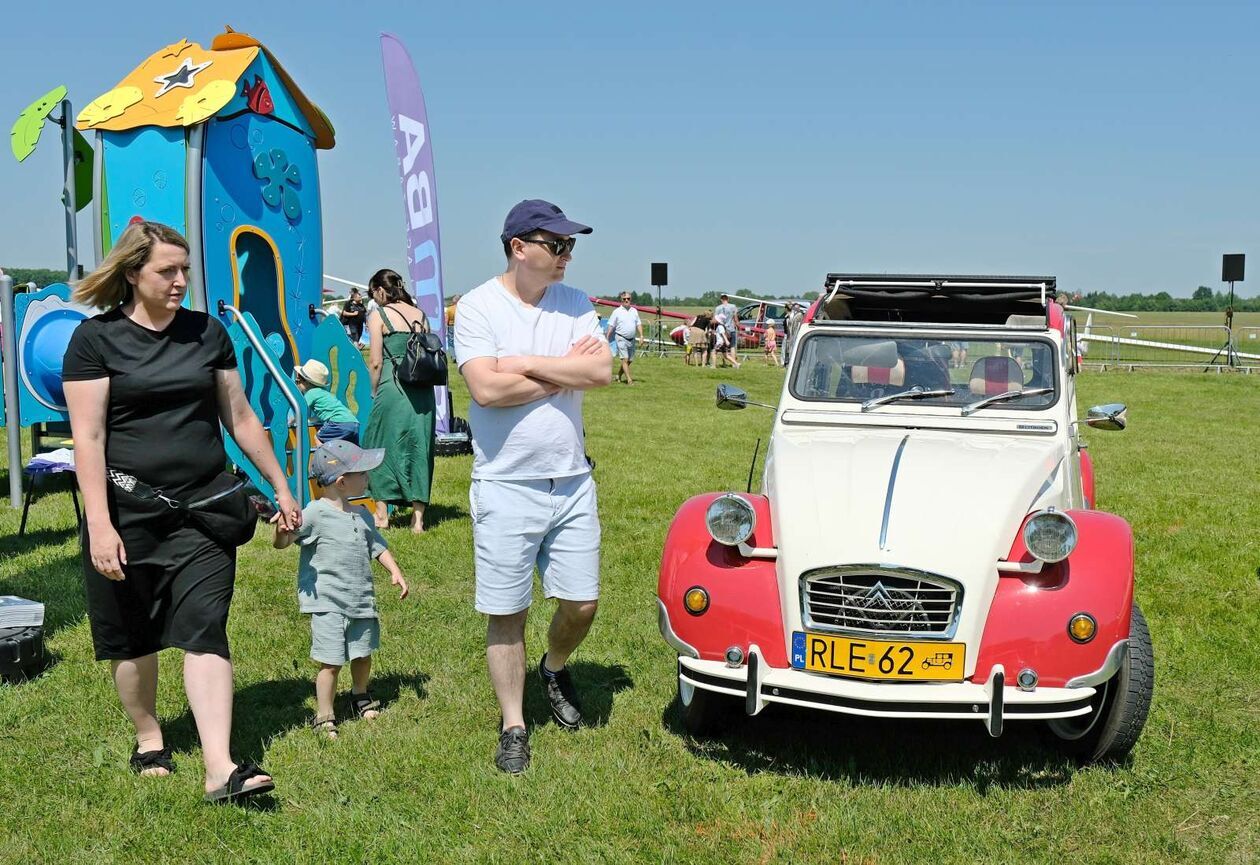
(1129, 346)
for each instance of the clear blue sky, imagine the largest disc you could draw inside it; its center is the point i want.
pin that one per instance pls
(752, 146)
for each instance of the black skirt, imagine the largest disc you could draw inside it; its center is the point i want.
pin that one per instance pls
(177, 590)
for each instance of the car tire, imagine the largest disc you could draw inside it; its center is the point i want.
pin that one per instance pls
(1120, 706)
(704, 713)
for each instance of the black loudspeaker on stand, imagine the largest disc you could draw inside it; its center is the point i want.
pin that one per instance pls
(660, 277)
(1232, 265)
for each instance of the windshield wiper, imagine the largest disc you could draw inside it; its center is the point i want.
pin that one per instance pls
(916, 392)
(1003, 397)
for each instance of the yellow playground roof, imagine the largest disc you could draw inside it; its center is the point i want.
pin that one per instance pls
(184, 84)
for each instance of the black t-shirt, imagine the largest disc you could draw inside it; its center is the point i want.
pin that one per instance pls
(162, 424)
(356, 322)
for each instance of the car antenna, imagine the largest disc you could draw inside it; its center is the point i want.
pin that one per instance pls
(752, 468)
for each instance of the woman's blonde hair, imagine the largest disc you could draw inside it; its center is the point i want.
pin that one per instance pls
(107, 286)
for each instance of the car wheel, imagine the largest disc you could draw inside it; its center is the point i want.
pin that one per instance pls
(704, 713)
(1120, 705)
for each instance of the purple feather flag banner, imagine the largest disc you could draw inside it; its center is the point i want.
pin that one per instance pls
(415, 165)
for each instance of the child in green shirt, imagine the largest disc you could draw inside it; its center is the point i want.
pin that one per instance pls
(334, 419)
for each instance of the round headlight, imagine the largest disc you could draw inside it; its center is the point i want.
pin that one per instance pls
(1050, 535)
(730, 520)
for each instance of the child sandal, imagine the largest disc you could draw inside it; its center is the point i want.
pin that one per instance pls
(364, 706)
(325, 724)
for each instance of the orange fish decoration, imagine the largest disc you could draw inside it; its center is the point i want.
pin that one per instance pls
(258, 96)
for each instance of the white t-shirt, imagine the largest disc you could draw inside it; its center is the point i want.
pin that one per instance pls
(543, 438)
(624, 322)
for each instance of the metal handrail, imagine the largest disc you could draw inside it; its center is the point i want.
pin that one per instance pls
(275, 372)
(12, 408)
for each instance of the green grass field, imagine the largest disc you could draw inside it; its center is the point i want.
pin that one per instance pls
(418, 783)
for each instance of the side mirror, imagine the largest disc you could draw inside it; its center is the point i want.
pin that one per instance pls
(1107, 417)
(730, 397)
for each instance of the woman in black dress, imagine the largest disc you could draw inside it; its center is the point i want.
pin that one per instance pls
(147, 384)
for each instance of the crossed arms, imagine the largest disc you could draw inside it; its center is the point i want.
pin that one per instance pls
(519, 379)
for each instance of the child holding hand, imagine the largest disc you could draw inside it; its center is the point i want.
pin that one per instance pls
(338, 541)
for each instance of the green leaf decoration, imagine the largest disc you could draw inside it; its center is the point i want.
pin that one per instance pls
(83, 158)
(30, 123)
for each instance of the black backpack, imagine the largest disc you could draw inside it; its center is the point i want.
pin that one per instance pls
(424, 363)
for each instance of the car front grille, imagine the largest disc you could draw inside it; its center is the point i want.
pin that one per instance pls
(880, 602)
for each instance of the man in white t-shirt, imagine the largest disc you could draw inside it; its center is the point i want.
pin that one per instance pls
(731, 313)
(625, 326)
(528, 346)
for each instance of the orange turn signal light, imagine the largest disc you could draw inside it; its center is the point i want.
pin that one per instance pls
(696, 600)
(1082, 627)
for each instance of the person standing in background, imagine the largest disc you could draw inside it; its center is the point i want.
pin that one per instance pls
(624, 324)
(728, 314)
(353, 316)
(791, 324)
(402, 418)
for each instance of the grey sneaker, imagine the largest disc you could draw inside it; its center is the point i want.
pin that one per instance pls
(565, 707)
(512, 755)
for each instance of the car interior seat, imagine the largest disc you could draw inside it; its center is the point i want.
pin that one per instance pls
(997, 374)
(863, 382)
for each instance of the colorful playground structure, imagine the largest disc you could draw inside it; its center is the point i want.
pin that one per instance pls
(222, 145)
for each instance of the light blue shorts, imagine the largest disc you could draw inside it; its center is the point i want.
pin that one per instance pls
(517, 525)
(625, 347)
(336, 639)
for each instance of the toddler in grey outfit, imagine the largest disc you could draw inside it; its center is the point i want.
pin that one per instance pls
(338, 541)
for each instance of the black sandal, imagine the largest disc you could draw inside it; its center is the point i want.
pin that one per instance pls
(159, 759)
(326, 724)
(361, 703)
(235, 790)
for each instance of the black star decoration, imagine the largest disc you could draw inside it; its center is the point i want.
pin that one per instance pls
(181, 77)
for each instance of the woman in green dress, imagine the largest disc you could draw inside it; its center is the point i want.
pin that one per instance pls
(401, 420)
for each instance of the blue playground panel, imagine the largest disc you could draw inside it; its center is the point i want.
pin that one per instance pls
(261, 231)
(44, 321)
(351, 381)
(146, 172)
(267, 396)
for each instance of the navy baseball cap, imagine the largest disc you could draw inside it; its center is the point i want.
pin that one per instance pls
(333, 459)
(534, 214)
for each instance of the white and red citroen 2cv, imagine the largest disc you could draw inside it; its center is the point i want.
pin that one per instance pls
(925, 544)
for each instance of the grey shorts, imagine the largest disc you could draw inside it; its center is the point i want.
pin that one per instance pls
(550, 524)
(625, 347)
(336, 639)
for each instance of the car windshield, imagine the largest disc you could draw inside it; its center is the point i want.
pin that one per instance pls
(861, 368)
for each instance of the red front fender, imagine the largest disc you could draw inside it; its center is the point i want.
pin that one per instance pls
(1028, 620)
(743, 593)
(1087, 479)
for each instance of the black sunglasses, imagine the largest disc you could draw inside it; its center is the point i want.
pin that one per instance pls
(558, 246)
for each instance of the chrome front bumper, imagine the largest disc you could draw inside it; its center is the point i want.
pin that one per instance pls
(992, 703)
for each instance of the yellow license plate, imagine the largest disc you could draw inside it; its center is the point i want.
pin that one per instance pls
(886, 660)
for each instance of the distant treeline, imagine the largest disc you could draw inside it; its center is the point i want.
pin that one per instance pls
(38, 275)
(1204, 299)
